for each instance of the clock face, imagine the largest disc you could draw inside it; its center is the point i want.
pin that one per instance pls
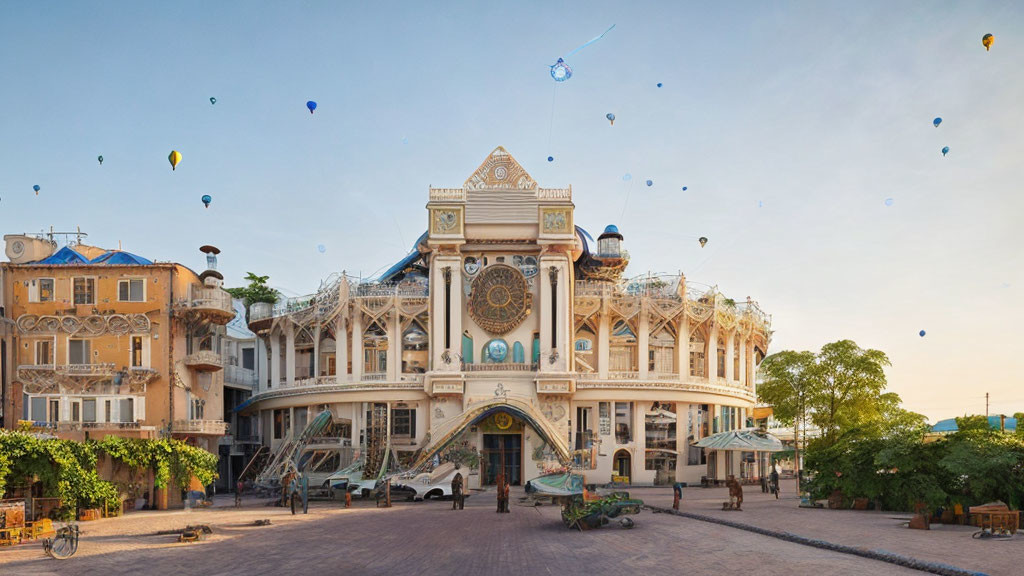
(499, 300)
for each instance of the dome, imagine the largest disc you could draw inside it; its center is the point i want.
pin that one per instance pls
(610, 231)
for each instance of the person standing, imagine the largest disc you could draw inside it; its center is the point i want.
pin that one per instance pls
(504, 497)
(458, 500)
(500, 490)
(775, 482)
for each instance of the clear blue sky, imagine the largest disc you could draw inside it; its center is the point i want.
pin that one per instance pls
(820, 111)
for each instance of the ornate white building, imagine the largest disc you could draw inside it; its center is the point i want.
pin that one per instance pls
(508, 328)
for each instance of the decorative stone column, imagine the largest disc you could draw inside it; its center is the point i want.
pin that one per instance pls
(289, 353)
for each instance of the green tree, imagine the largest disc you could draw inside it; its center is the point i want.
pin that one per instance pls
(785, 386)
(846, 384)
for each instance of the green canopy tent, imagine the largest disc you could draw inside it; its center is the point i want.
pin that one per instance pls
(748, 440)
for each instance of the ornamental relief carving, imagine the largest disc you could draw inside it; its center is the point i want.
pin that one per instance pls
(446, 221)
(94, 325)
(556, 220)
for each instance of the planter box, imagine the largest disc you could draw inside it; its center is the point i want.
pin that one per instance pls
(88, 514)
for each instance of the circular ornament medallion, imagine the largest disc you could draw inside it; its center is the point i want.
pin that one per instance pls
(500, 299)
(503, 421)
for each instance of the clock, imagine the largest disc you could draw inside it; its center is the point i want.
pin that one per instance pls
(499, 299)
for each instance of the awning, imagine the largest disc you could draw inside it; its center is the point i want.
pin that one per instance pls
(741, 440)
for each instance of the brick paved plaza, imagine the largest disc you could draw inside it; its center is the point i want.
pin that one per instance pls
(430, 538)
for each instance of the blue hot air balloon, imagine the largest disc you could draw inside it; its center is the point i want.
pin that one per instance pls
(684, 188)
(311, 105)
(36, 188)
(321, 248)
(206, 200)
(551, 158)
(937, 121)
(921, 333)
(945, 150)
(650, 182)
(659, 84)
(213, 100)
(888, 201)
(611, 118)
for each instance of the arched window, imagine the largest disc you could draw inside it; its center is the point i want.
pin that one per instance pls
(414, 349)
(622, 348)
(721, 358)
(584, 349)
(736, 358)
(697, 346)
(661, 353)
(375, 349)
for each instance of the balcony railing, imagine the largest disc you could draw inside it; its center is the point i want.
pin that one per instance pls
(100, 369)
(79, 426)
(202, 427)
(503, 367)
(210, 299)
(204, 360)
(239, 376)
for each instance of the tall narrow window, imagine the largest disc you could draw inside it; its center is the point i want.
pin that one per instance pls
(554, 307)
(46, 289)
(136, 351)
(84, 290)
(89, 410)
(447, 308)
(44, 352)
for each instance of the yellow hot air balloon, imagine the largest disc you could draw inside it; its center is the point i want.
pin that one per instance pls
(987, 41)
(174, 158)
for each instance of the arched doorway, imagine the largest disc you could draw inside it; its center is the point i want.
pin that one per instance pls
(622, 466)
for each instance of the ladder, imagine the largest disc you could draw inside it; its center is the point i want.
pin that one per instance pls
(284, 458)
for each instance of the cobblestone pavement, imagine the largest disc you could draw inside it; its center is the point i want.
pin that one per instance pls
(943, 544)
(429, 538)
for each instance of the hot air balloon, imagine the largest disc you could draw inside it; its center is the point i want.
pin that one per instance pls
(650, 182)
(36, 188)
(921, 333)
(551, 158)
(684, 188)
(206, 200)
(174, 157)
(659, 84)
(987, 41)
(560, 71)
(611, 118)
(945, 150)
(702, 241)
(937, 121)
(321, 248)
(100, 158)
(311, 105)
(213, 100)
(888, 201)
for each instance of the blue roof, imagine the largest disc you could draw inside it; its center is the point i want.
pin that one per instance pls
(64, 256)
(949, 424)
(404, 262)
(611, 229)
(68, 257)
(583, 235)
(120, 258)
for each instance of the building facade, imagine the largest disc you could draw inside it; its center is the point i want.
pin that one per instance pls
(106, 342)
(245, 359)
(508, 329)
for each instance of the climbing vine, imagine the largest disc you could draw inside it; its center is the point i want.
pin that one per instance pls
(67, 469)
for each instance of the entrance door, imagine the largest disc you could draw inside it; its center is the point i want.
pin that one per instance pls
(502, 451)
(623, 466)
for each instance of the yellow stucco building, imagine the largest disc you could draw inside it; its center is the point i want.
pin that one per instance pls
(107, 342)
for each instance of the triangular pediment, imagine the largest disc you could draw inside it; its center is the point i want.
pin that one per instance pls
(500, 171)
